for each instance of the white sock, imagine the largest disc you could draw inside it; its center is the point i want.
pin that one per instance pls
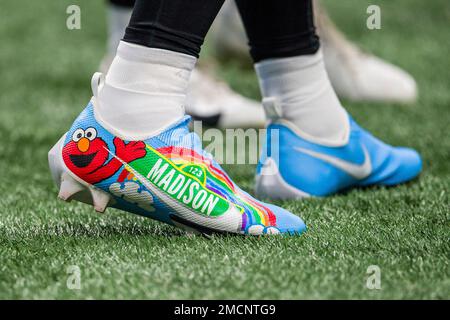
(144, 91)
(118, 18)
(301, 87)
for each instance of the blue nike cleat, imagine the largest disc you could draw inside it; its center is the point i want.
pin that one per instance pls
(167, 177)
(294, 167)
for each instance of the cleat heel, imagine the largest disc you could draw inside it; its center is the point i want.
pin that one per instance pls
(69, 187)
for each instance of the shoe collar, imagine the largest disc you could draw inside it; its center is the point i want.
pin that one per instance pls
(274, 115)
(97, 84)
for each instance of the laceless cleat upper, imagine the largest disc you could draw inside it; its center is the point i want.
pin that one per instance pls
(301, 168)
(167, 177)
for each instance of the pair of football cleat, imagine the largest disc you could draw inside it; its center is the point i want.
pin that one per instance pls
(170, 178)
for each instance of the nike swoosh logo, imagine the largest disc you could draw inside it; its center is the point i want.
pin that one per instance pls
(358, 171)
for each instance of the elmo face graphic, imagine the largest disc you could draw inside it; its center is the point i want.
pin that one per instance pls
(86, 155)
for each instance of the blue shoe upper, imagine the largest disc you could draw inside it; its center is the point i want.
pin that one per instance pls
(323, 170)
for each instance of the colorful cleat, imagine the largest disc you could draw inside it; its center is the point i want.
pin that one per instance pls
(297, 167)
(167, 177)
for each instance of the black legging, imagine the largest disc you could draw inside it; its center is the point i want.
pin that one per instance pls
(275, 28)
(279, 28)
(123, 3)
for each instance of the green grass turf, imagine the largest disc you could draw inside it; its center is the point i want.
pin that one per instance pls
(44, 84)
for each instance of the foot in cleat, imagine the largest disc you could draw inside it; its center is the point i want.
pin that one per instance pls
(167, 177)
(303, 168)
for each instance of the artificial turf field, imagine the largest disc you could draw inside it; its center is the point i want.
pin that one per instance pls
(44, 84)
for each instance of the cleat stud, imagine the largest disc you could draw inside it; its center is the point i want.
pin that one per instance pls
(100, 199)
(69, 187)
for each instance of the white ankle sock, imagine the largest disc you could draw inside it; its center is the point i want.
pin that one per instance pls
(301, 87)
(144, 91)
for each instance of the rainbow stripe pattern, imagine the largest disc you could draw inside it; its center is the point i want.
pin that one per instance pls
(218, 182)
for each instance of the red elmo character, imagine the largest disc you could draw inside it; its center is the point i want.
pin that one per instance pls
(86, 155)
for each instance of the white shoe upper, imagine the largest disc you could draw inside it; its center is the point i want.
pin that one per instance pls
(208, 97)
(359, 76)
